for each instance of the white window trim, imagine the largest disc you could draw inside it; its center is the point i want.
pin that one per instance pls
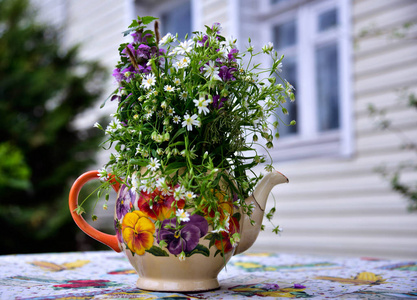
(339, 142)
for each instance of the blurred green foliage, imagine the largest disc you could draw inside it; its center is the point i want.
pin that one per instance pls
(43, 87)
(14, 172)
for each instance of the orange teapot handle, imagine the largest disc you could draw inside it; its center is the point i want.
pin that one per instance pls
(107, 239)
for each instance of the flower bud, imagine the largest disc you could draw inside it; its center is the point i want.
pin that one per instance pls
(154, 135)
(167, 136)
(272, 80)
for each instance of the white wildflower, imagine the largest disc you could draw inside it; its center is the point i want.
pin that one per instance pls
(268, 48)
(189, 195)
(279, 67)
(182, 63)
(163, 186)
(147, 186)
(202, 104)
(176, 119)
(148, 81)
(211, 71)
(183, 95)
(189, 121)
(102, 174)
(177, 81)
(154, 164)
(169, 88)
(182, 215)
(168, 38)
(171, 111)
(185, 47)
(179, 192)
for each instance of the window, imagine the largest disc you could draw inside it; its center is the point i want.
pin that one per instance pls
(313, 36)
(175, 15)
(177, 20)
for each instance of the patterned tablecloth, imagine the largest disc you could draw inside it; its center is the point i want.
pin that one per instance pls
(108, 275)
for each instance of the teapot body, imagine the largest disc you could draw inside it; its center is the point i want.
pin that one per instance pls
(172, 253)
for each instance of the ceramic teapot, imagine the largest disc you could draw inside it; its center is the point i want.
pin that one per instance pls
(182, 260)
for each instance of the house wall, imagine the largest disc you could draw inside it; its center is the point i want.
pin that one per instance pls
(342, 206)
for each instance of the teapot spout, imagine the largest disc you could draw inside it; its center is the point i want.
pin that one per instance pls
(250, 232)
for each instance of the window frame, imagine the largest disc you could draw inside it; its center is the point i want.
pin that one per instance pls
(337, 142)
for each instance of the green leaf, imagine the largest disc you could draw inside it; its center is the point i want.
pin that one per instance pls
(156, 251)
(139, 162)
(172, 167)
(237, 216)
(162, 244)
(199, 249)
(148, 19)
(181, 131)
(217, 252)
(134, 24)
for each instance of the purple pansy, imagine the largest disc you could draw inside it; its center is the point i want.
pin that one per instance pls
(184, 239)
(125, 201)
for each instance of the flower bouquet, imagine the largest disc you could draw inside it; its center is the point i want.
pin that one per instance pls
(191, 118)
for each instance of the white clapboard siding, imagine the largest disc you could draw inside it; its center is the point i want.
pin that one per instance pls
(391, 16)
(343, 206)
(400, 117)
(389, 58)
(392, 99)
(387, 79)
(373, 42)
(363, 9)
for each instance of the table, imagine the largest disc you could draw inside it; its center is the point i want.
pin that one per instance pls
(108, 275)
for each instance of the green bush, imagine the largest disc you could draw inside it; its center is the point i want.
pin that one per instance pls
(43, 87)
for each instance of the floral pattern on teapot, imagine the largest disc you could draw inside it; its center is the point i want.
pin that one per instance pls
(154, 221)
